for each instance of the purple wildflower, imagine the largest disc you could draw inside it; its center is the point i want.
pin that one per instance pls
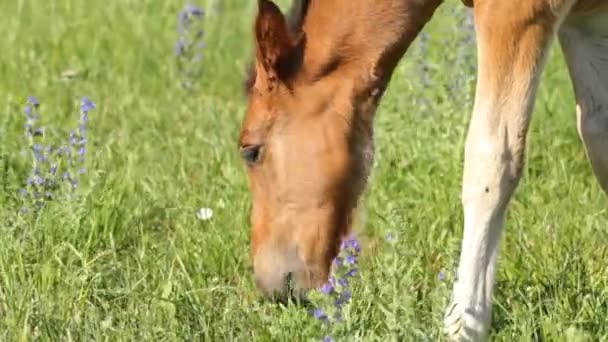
(336, 289)
(33, 101)
(186, 14)
(189, 43)
(343, 299)
(87, 105)
(351, 242)
(52, 166)
(338, 261)
(38, 180)
(327, 288)
(441, 276)
(180, 47)
(194, 10)
(328, 339)
(320, 314)
(72, 138)
(350, 259)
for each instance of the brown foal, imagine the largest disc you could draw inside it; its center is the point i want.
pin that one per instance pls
(307, 138)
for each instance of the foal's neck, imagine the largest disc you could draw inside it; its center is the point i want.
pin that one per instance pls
(368, 36)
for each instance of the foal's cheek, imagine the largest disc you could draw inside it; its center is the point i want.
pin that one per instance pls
(260, 229)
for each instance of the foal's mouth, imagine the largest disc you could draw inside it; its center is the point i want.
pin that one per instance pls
(289, 294)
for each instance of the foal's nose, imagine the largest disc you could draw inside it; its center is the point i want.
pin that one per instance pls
(279, 275)
(280, 289)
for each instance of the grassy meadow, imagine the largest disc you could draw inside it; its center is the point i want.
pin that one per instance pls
(124, 257)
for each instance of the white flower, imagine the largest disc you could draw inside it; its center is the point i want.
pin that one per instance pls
(204, 214)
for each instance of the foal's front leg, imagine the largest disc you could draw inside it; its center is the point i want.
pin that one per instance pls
(513, 39)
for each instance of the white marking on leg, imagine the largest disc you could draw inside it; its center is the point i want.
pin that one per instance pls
(494, 156)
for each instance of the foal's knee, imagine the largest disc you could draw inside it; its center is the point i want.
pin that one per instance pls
(493, 168)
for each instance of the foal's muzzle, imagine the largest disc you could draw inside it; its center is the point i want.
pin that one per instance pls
(280, 274)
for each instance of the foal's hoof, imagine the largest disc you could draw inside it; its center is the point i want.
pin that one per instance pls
(464, 324)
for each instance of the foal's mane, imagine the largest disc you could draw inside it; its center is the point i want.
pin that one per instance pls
(295, 21)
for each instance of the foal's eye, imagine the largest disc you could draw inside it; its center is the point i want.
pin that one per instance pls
(251, 153)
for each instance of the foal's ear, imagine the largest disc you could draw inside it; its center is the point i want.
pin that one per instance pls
(278, 49)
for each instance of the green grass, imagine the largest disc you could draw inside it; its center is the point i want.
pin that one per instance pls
(130, 260)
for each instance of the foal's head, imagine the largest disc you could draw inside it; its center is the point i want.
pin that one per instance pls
(307, 135)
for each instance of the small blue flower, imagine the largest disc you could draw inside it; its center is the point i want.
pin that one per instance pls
(187, 47)
(72, 138)
(194, 10)
(87, 105)
(343, 299)
(327, 288)
(338, 261)
(180, 47)
(351, 259)
(328, 339)
(355, 245)
(41, 158)
(320, 314)
(332, 280)
(33, 101)
(441, 276)
(39, 180)
(351, 273)
(351, 242)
